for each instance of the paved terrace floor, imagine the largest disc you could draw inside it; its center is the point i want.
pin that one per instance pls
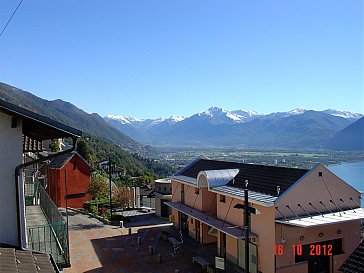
(35, 216)
(98, 248)
(40, 236)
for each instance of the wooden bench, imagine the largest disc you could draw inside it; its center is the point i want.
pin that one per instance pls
(201, 261)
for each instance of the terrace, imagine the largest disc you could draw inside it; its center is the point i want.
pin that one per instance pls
(46, 229)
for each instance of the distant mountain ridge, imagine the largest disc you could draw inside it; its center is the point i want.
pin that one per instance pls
(69, 114)
(298, 128)
(351, 138)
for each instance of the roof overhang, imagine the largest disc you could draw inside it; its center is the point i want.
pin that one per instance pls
(237, 193)
(253, 197)
(185, 180)
(234, 231)
(161, 196)
(36, 126)
(325, 219)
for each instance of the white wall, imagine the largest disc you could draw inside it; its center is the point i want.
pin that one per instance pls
(10, 157)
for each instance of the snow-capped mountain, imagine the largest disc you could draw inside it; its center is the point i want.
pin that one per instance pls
(123, 120)
(294, 112)
(246, 115)
(343, 114)
(217, 126)
(218, 115)
(176, 118)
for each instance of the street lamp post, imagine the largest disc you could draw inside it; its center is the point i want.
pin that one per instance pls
(110, 188)
(246, 225)
(247, 211)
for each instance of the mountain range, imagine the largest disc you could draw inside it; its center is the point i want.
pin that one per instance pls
(69, 114)
(296, 129)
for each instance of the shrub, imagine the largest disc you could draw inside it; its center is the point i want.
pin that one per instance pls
(93, 210)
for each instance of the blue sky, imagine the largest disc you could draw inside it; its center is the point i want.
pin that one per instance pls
(160, 58)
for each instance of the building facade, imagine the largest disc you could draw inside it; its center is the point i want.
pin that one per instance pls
(305, 221)
(69, 177)
(163, 193)
(23, 192)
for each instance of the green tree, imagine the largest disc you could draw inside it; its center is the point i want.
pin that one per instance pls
(83, 149)
(54, 146)
(99, 186)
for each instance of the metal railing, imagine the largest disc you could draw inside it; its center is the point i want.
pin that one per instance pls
(53, 237)
(31, 192)
(44, 239)
(49, 208)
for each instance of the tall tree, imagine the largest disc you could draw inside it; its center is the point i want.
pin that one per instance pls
(99, 187)
(83, 149)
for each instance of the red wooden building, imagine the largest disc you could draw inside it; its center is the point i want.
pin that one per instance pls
(68, 180)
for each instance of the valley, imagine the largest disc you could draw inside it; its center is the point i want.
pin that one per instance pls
(179, 157)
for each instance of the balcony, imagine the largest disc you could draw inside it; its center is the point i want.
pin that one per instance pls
(46, 229)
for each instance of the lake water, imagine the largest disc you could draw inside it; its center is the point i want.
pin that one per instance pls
(352, 173)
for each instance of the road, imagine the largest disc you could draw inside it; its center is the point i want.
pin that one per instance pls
(77, 221)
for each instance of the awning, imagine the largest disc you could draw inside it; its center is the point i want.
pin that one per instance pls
(325, 219)
(224, 227)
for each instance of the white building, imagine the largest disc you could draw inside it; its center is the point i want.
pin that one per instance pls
(22, 132)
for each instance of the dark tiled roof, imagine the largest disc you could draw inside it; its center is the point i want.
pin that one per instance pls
(14, 261)
(61, 160)
(261, 178)
(355, 262)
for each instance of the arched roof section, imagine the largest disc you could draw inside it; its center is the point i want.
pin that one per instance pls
(215, 178)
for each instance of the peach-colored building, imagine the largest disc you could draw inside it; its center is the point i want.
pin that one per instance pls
(307, 221)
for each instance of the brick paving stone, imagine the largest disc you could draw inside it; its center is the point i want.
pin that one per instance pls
(107, 249)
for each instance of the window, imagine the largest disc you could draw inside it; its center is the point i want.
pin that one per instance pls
(74, 165)
(164, 189)
(222, 198)
(197, 191)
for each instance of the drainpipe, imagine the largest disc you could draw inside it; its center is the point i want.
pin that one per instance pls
(17, 173)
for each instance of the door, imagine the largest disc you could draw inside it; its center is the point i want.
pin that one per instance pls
(197, 228)
(317, 262)
(222, 245)
(253, 256)
(164, 209)
(183, 223)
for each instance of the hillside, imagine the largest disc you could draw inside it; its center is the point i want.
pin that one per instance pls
(350, 138)
(100, 140)
(69, 114)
